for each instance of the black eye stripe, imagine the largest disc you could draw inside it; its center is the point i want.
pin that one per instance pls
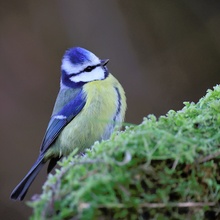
(87, 69)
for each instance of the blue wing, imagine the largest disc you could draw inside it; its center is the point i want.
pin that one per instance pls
(61, 119)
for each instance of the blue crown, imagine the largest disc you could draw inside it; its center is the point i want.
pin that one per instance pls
(77, 55)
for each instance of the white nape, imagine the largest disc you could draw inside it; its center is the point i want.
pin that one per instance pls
(70, 68)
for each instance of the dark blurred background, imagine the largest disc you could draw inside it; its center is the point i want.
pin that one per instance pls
(163, 53)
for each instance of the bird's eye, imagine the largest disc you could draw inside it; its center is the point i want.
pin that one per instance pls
(89, 68)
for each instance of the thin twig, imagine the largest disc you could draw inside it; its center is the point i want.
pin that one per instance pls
(163, 205)
(180, 204)
(175, 164)
(209, 157)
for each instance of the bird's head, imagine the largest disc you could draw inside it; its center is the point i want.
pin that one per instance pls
(80, 66)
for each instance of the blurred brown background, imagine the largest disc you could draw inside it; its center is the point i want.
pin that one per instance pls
(163, 52)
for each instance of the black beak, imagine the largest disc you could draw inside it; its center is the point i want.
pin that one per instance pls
(104, 62)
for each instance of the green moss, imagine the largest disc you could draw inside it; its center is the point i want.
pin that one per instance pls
(166, 168)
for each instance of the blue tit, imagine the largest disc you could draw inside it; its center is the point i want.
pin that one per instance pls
(90, 103)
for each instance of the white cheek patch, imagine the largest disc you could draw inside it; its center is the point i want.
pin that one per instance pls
(96, 74)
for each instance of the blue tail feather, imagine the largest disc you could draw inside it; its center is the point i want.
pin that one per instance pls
(21, 189)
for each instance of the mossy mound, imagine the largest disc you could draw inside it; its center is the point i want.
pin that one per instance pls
(166, 168)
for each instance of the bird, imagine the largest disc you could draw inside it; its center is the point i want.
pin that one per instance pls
(90, 105)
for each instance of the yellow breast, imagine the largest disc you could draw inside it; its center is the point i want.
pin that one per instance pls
(105, 106)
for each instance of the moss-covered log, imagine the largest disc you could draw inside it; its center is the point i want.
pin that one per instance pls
(166, 168)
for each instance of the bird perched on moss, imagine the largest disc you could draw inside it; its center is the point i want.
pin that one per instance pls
(89, 104)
